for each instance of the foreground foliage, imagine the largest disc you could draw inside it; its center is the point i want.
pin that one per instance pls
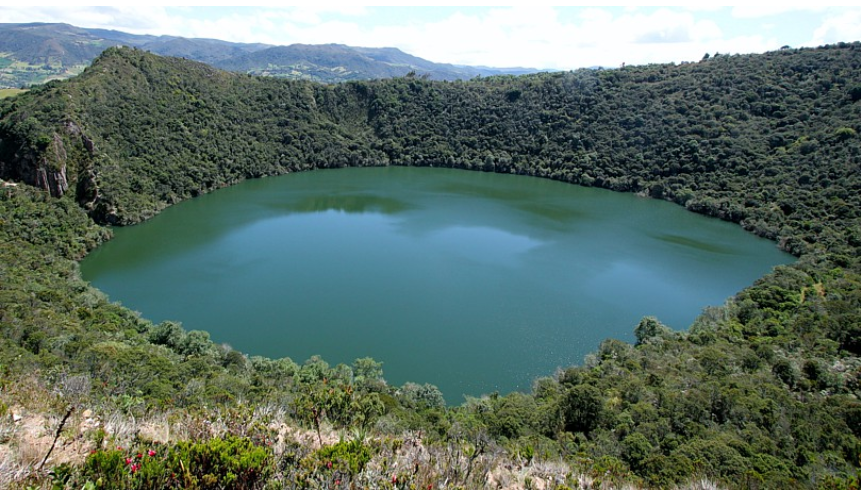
(230, 463)
(760, 392)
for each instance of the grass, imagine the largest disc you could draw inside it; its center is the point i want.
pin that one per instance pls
(10, 92)
(20, 74)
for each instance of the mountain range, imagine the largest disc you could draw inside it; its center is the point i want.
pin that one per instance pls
(35, 53)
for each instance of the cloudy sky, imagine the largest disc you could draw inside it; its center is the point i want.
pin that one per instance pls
(534, 36)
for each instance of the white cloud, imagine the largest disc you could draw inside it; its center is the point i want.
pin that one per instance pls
(234, 28)
(664, 26)
(770, 10)
(534, 37)
(135, 20)
(845, 27)
(538, 38)
(312, 15)
(498, 37)
(286, 25)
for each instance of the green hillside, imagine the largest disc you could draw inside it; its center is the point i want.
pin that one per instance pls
(761, 392)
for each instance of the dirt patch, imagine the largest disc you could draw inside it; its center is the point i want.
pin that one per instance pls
(28, 437)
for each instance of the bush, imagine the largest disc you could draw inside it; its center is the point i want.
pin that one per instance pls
(331, 466)
(230, 463)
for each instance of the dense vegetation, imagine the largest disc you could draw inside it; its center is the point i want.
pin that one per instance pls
(760, 392)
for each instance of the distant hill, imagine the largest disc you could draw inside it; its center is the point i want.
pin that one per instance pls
(50, 44)
(209, 51)
(323, 63)
(35, 53)
(337, 62)
(396, 57)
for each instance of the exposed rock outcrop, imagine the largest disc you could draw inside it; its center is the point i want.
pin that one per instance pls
(51, 168)
(48, 166)
(45, 169)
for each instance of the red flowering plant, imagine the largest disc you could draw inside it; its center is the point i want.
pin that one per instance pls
(123, 468)
(231, 462)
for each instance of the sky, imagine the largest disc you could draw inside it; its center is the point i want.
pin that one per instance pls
(535, 36)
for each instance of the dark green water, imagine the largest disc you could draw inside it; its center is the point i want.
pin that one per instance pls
(474, 282)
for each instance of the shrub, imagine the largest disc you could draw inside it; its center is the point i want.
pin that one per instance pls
(229, 463)
(330, 466)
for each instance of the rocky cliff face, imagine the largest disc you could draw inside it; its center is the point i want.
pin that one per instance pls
(45, 169)
(55, 182)
(51, 170)
(48, 166)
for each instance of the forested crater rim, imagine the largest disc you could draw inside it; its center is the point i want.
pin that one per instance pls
(762, 391)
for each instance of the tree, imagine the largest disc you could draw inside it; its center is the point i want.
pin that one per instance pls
(635, 449)
(195, 343)
(366, 408)
(367, 370)
(314, 369)
(169, 334)
(649, 328)
(582, 409)
(785, 371)
(426, 395)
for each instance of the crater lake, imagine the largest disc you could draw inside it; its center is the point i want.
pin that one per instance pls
(474, 282)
